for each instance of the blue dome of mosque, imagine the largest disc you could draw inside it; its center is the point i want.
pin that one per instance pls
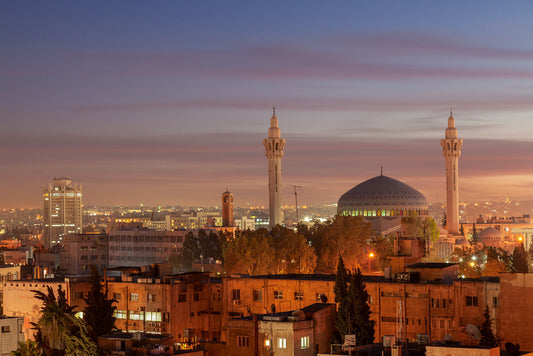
(382, 196)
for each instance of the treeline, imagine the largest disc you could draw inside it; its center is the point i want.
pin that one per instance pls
(281, 250)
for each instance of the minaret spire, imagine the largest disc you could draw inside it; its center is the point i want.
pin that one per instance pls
(451, 150)
(274, 150)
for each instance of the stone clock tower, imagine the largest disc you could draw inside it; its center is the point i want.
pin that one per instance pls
(274, 147)
(451, 149)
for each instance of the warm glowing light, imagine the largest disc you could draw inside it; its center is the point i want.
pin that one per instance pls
(371, 254)
(472, 264)
(519, 238)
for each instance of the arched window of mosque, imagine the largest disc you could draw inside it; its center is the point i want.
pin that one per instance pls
(364, 213)
(277, 145)
(454, 146)
(379, 212)
(270, 147)
(373, 213)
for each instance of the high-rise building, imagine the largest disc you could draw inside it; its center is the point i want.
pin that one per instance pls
(227, 209)
(62, 210)
(451, 149)
(274, 148)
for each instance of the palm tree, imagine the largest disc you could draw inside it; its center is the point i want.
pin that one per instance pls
(58, 331)
(28, 348)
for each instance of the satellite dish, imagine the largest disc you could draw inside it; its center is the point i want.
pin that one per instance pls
(272, 308)
(323, 298)
(473, 331)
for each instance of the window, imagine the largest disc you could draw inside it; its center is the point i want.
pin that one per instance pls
(304, 342)
(495, 302)
(120, 314)
(282, 343)
(317, 297)
(151, 297)
(267, 343)
(153, 316)
(236, 294)
(257, 295)
(443, 304)
(182, 297)
(471, 301)
(298, 295)
(136, 315)
(243, 341)
(134, 297)
(278, 295)
(196, 297)
(6, 329)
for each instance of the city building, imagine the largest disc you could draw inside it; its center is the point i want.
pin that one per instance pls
(18, 300)
(274, 150)
(78, 251)
(62, 210)
(245, 223)
(451, 150)
(298, 332)
(143, 247)
(10, 334)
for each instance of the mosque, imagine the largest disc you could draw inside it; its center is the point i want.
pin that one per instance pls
(382, 196)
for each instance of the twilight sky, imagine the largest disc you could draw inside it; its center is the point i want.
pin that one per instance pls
(167, 102)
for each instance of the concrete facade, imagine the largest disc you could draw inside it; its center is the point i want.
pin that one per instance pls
(451, 150)
(274, 151)
(18, 300)
(10, 334)
(77, 252)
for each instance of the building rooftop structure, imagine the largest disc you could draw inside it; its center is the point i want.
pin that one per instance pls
(382, 196)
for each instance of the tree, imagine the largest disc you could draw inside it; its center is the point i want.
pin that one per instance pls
(475, 235)
(250, 252)
(344, 317)
(487, 336)
(363, 326)
(353, 314)
(347, 236)
(520, 260)
(28, 348)
(99, 309)
(58, 331)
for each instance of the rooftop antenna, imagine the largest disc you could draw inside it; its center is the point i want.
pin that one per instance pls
(382, 170)
(451, 111)
(274, 110)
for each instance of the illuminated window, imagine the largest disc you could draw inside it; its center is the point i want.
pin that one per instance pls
(267, 343)
(282, 343)
(298, 295)
(304, 342)
(134, 297)
(278, 294)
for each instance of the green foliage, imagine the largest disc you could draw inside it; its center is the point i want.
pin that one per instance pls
(477, 261)
(262, 252)
(425, 228)
(346, 236)
(28, 348)
(487, 336)
(58, 331)
(353, 314)
(520, 259)
(99, 309)
(250, 252)
(203, 245)
(475, 235)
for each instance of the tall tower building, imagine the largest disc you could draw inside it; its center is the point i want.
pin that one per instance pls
(62, 210)
(227, 209)
(451, 149)
(274, 147)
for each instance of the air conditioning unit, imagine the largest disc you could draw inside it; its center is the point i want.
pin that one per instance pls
(422, 339)
(236, 301)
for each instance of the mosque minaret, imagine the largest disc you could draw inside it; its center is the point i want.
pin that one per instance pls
(451, 149)
(274, 147)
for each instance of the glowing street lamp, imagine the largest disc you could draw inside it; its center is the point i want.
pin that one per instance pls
(370, 257)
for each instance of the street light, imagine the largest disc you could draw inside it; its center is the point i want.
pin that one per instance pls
(370, 256)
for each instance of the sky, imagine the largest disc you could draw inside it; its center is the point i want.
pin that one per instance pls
(167, 103)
